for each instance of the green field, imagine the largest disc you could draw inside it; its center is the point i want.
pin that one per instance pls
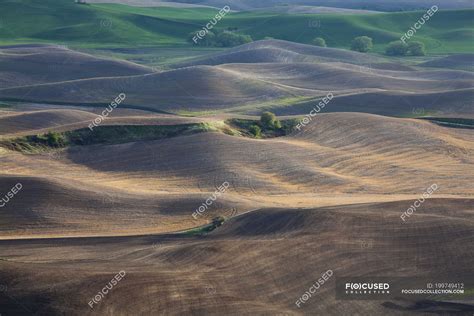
(109, 25)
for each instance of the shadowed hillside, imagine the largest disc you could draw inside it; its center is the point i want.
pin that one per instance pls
(457, 61)
(236, 180)
(29, 65)
(336, 155)
(359, 82)
(231, 265)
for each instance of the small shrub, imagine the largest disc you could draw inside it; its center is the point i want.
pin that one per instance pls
(55, 139)
(416, 48)
(289, 126)
(269, 121)
(217, 221)
(396, 48)
(319, 41)
(217, 38)
(50, 139)
(256, 131)
(207, 41)
(362, 44)
(229, 39)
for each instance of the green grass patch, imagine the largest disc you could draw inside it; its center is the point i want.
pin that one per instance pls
(101, 135)
(451, 122)
(205, 229)
(246, 128)
(273, 105)
(113, 25)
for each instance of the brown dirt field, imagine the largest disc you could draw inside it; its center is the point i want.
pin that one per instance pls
(259, 263)
(271, 73)
(327, 197)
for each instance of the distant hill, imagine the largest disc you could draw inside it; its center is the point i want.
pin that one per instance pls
(271, 51)
(113, 25)
(379, 5)
(33, 64)
(457, 61)
(235, 82)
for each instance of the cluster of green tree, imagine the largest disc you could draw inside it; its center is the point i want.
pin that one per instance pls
(268, 123)
(219, 38)
(360, 44)
(50, 139)
(217, 222)
(267, 126)
(203, 230)
(364, 44)
(399, 48)
(116, 134)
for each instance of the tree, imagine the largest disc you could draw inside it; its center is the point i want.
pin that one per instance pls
(51, 139)
(208, 40)
(217, 221)
(218, 39)
(269, 121)
(396, 48)
(319, 41)
(256, 131)
(229, 39)
(416, 48)
(362, 44)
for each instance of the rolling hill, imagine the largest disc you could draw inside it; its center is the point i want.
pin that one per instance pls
(140, 195)
(339, 158)
(113, 25)
(227, 271)
(34, 64)
(456, 61)
(359, 83)
(274, 51)
(380, 5)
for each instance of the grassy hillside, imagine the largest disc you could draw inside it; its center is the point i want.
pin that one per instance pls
(378, 5)
(102, 135)
(109, 25)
